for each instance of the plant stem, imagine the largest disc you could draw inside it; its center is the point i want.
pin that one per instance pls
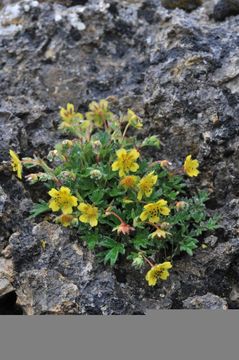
(125, 131)
(114, 214)
(156, 227)
(147, 260)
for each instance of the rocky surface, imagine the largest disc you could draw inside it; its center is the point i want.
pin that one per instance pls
(206, 302)
(225, 8)
(187, 5)
(180, 71)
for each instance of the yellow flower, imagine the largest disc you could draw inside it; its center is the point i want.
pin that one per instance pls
(134, 120)
(126, 161)
(16, 164)
(99, 112)
(159, 271)
(65, 219)
(191, 166)
(146, 185)
(160, 233)
(151, 211)
(68, 115)
(129, 182)
(62, 200)
(89, 214)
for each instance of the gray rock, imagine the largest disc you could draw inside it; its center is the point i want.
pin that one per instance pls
(47, 292)
(61, 277)
(6, 277)
(3, 198)
(206, 302)
(6, 268)
(225, 8)
(234, 296)
(211, 240)
(5, 285)
(7, 252)
(187, 5)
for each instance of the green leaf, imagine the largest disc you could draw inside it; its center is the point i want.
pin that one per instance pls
(212, 223)
(97, 196)
(188, 245)
(116, 192)
(141, 240)
(108, 242)
(113, 254)
(151, 141)
(103, 137)
(91, 240)
(38, 209)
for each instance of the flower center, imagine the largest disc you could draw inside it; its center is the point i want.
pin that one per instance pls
(157, 274)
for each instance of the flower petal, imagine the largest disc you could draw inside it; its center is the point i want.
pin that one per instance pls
(83, 207)
(154, 219)
(53, 205)
(70, 108)
(164, 275)
(134, 167)
(134, 154)
(67, 209)
(104, 104)
(121, 173)
(143, 216)
(140, 196)
(65, 190)
(93, 106)
(74, 200)
(148, 193)
(164, 210)
(19, 171)
(93, 222)
(115, 166)
(162, 202)
(53, 193)
(121, 152)
(84, 218)
(167, 265)
(152, 280)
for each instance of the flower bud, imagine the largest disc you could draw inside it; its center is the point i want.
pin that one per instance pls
(97, 145)
(65, 175)
(96, 174)
(180, 205)
(138, 261)
(52, 154)
(67, 143)
(32, 178)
